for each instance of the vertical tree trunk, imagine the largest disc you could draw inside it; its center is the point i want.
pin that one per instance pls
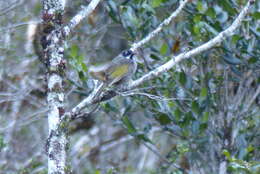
(53, 45)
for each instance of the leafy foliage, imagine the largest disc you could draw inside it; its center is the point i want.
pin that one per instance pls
(206, 111)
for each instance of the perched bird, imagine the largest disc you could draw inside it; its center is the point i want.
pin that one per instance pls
(118, 72)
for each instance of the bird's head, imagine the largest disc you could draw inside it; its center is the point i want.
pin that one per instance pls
(128, 54)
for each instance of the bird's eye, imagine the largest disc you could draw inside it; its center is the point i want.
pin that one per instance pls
(127, 53)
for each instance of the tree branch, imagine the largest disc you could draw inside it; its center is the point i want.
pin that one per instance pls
(66, 30)
(11, 7)
(91, 99)
(170, 64)
(53, 53)
(213, 42)
(166, 22)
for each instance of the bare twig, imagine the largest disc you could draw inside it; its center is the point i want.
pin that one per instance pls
(86, 114)
(20, 25)
(151, 96)
(167, 21)
(257, 92)
(159, 155)
(80, 16)
(75, 111)
(11, 7)
(25, 121)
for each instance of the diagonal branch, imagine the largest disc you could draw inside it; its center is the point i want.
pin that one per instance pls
(170, 64)
(166, 22)
(208, 45)
(90, 99)
(79, 17)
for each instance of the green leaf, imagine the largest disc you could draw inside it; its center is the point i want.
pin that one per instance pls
(97, 172)
(163, 118)
(133, 131)
(203, 127)
(182, 78)
(2, 143)
(188, 118)
(171, 104)
(177, 114)
(235, 38)
(80, 58)
(109, 106)
(199, 6)
(84, 67)
(196, 29)
(164, 49)
(211, 13)
(203, 93)
(227, 154)
(155, 57)
(250, 148)
(195, 107)
(74, 51)
(82, 76)
(156, 3)
(129, 125)
(228, 7)
(197, 18)
(143, 137)
(112, 10)
(205, 117)
(210, 28)
(252, 60)
(256, 15)
(148, 8)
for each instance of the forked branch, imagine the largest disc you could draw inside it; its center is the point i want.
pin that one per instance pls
(171, 63)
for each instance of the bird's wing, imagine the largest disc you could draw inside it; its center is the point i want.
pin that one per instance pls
(99, 72)
(116, 73)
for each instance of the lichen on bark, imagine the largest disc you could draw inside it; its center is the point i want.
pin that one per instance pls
(53, 52)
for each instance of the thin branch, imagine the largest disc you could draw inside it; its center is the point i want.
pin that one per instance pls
(168, 65)
(253, 98)
(154, 149)
(213, 42)
(79, 17)
(21, 24)
(85, 114)
(210, 44)
(76, 110)
(108, 146)
(166, 22)
(151, 96)
(135, 46)
(11, 7)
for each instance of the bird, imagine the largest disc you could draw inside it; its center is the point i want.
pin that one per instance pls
(118, 72)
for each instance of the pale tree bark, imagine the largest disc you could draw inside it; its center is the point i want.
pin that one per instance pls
(53, 45)
(53, 57)
(53, 50)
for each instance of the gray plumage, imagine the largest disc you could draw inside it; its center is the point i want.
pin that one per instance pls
(119, 71)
